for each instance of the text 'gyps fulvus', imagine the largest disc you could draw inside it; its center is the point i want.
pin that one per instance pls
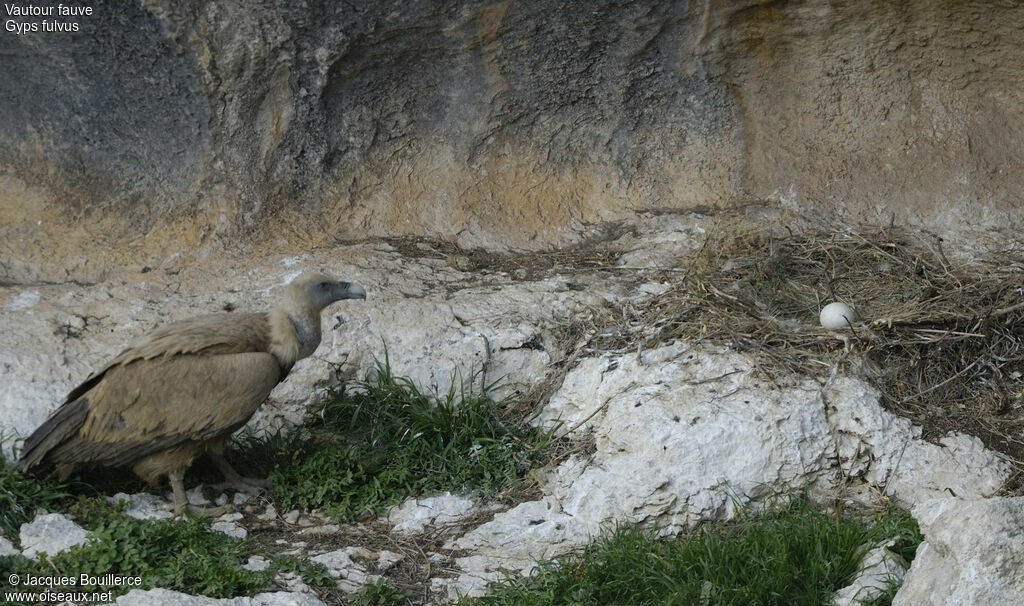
(181, 390)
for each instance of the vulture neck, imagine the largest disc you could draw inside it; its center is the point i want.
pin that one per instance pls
(293, 335)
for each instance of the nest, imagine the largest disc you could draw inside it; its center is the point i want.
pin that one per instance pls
(941, 341)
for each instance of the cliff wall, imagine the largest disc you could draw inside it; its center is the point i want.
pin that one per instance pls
(164, 130)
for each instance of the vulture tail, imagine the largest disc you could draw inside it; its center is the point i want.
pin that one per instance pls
(61, 425)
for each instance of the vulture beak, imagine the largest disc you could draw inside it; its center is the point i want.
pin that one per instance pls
(347, 290)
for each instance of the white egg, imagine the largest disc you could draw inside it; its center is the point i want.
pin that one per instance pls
(836, 315)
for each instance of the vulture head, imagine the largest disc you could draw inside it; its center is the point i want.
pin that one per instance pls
(315, 291)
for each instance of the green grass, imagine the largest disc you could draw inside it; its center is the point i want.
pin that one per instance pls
(21, 495)
(791, 555)
(153, 551)
(374, 443)
(183, 555)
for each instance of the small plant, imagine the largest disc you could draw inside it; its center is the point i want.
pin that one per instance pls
(366, 448)
(22, 494)
(381, 593)
(312, 573)
(93, 512)
(793, 554)
(150, 550)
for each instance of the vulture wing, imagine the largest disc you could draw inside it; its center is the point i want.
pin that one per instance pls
(211, 334)
(191, 380)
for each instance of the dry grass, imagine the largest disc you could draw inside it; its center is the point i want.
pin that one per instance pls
(588, 255)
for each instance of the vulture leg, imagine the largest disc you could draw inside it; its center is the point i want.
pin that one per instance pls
(177, 478)
(234, 480)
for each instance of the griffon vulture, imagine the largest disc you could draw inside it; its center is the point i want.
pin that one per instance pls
(181, 390)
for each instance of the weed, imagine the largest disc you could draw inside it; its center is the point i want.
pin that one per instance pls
(381, 593)
(312, 573)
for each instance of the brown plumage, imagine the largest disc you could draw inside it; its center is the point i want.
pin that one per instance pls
(183, 389)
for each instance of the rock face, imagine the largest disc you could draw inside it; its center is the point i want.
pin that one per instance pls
(171, 128)
(886, 450)
(857, 106)
(973, 553)
(677, 408)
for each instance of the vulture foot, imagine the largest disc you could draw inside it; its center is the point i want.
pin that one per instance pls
(235, 480)
(243, 484)
(207, 511)
(181, 503)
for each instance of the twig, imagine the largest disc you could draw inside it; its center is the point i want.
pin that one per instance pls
(713, 379)
(1007, 310)
(934, 387)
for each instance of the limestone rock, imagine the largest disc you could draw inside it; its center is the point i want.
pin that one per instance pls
(350, 574)
(143, 506)
(515, 540)
(196, 495)
(479, 336)
(270, 513)
(666, 425)
(416, 514)
(663, 242)
(320, 530)
(256, 563)
(386, 560)
(292, 581)
(887, 451)
(7, 548)
(509, 125)
(285, 598)
(972, 554)
(167, 597)
(50, 533)
(878, 570)
(34, 382)
(229, 528)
